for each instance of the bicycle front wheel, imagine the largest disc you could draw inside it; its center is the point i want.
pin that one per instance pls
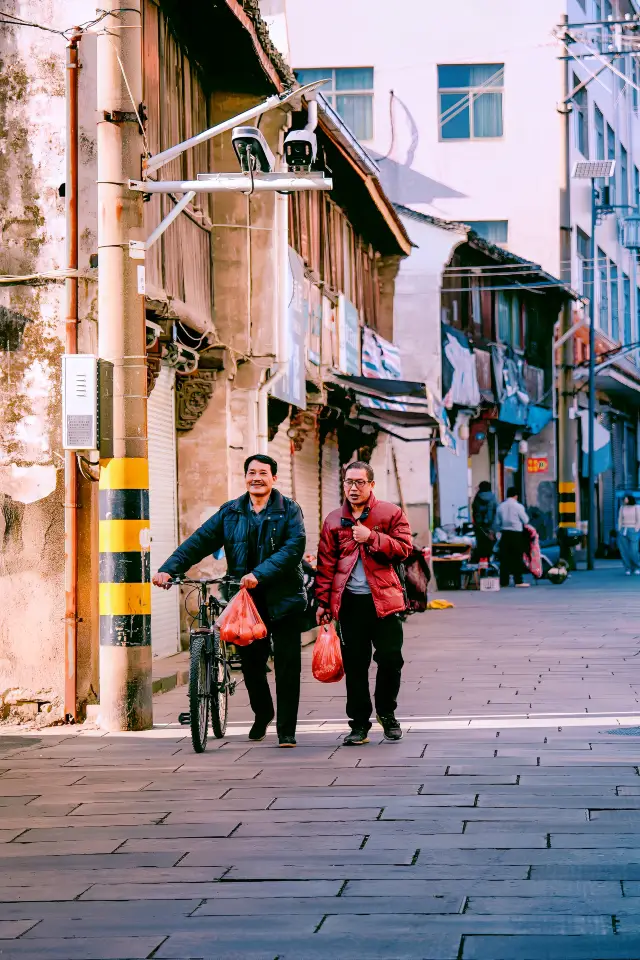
(219, 689)
(199, 693)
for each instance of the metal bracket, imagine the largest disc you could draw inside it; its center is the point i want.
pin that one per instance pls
(120, 116)
(138, 248)
(237, 183)
(277, 100)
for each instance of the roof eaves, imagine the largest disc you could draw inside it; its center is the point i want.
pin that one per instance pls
(274, 64)
(453, 225)
(506, 256)
(368, 170)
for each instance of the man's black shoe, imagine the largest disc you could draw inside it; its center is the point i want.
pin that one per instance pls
(355, 738)
(287, 741)
(391, 727)
(259, 729)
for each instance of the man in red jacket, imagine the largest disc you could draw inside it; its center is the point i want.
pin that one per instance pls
(357, 584)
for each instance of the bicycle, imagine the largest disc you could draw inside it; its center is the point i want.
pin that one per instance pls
(210, 683)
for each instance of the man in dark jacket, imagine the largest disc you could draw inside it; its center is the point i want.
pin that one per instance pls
(357, 584)
(263, 537)
(483, 511)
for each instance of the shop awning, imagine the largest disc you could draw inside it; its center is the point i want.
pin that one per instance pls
(398, 390)
(399, 418)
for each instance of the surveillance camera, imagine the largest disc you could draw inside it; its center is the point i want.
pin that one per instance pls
(300, 150)
(252, 150)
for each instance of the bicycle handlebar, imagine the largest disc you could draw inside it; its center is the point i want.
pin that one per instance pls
(202, 580)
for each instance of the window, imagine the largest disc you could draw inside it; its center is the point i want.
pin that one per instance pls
(495, 231)
(510, 319)
(584, 263)
(624, 175)
(608, 9)
(583, 4)
(635, 199)
(611, 155)
(470, 98)
(626, 295)
(599, 130)
(597, 10)
(604, 290)
(582, 118)
(615, 320)
(350, 93)
(635, 77)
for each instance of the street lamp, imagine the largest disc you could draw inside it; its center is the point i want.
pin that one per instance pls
(592, 170)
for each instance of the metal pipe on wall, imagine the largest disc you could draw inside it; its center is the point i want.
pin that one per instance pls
(71, 346)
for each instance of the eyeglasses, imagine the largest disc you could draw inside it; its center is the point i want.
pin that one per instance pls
(360, 484)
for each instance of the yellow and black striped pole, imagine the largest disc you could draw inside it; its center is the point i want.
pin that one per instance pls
(567, 504)
(125, 585)
(125, 594)
(124, 534)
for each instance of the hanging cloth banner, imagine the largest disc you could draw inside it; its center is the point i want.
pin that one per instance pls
(380, 358)
(459, 378)
(601, 445)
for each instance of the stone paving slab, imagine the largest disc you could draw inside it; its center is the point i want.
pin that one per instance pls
(504, 824)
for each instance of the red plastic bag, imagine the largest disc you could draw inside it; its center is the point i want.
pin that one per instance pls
(326, 664)
(240, 623)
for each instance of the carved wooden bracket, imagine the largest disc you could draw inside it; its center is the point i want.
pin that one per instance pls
(302, 424)
(154, 361)
(192, 398)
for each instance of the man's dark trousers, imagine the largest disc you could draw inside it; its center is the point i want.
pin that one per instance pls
(285, 634)
(511, 550)
(361, 631)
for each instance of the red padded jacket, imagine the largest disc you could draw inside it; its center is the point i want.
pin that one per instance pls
(389, 543)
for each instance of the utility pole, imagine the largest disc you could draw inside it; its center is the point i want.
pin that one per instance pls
(125, 589)
(567, 433)
(591, 541)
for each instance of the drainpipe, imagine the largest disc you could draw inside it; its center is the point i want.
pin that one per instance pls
(71, 346)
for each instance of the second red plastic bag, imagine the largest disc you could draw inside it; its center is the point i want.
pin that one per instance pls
(240, 623)
(326, 664)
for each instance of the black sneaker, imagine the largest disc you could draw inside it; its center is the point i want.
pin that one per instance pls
(287, 741)
(355, 738)
(391, 727)
(259, 729)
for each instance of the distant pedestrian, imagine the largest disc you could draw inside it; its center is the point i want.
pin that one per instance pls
(629, 534)
(356, 584)
(483, 512)
(511, 518)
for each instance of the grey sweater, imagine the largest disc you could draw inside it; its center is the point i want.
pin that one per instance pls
(511, 516)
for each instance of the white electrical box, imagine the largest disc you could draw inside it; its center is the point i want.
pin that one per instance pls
(80, 402)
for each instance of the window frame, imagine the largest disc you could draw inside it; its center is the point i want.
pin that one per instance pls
(471, 93)
(614, 284)
(627, 318)
(624, 174)
(473, 225)
(330, 92)
(581, 101)
(605, 298)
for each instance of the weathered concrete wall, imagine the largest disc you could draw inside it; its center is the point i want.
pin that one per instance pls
(32, 230)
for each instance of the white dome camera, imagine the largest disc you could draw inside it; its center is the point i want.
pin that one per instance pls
(252, 150)
(300, 150)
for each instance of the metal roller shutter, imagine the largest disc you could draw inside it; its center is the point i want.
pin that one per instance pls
(280, 449)
(331, 480)
(163, 509)
(306, 487)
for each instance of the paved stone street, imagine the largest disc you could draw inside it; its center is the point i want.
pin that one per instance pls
(503, 827)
